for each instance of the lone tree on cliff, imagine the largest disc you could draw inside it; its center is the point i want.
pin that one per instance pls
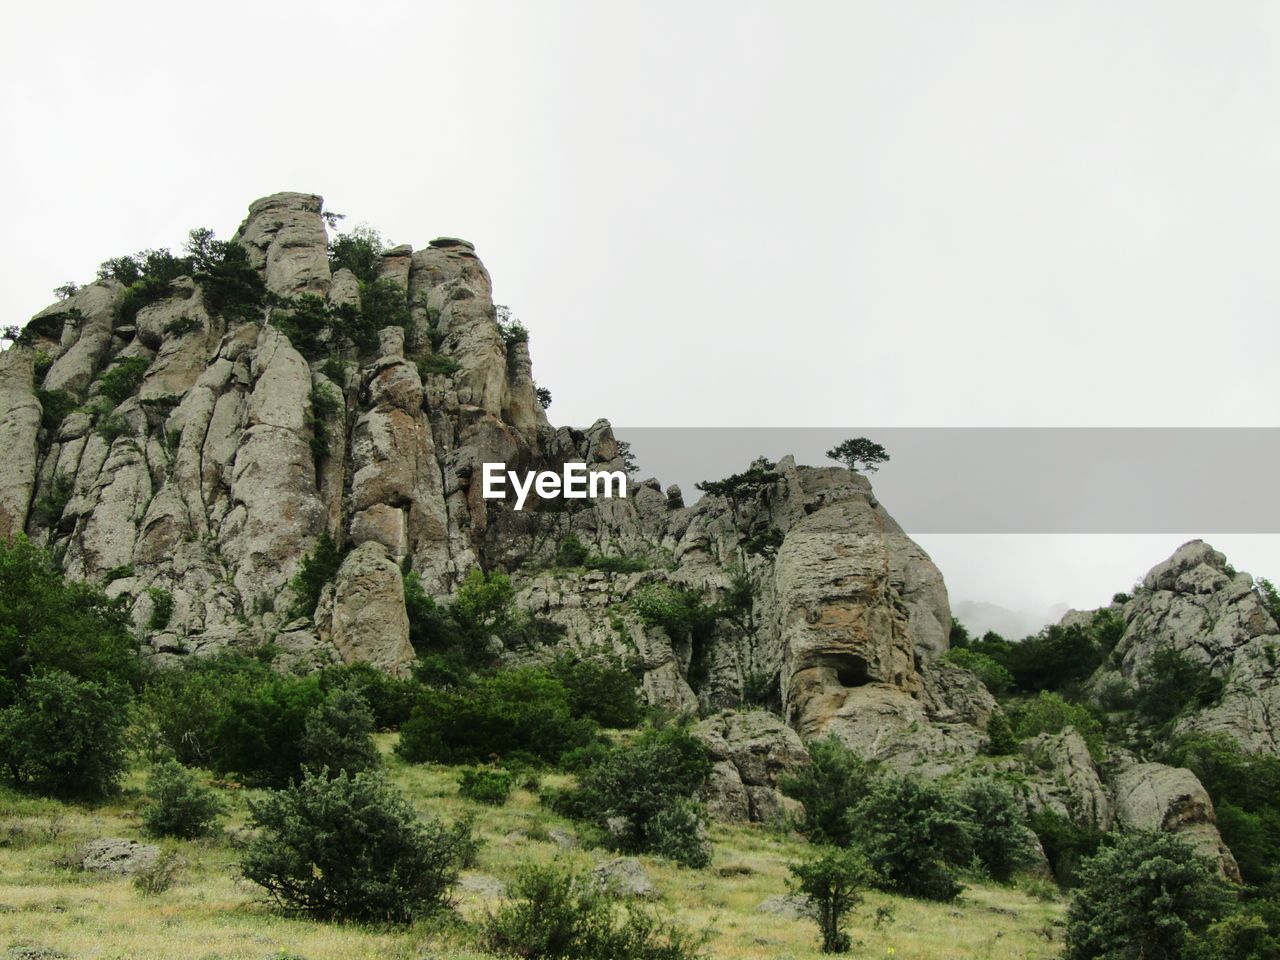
(859, 451)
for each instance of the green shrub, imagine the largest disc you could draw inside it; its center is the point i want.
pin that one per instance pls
(571, 552)
(997, 832)
(352, 848)
(1270, 597)
(390, 698)
(1066, 845)
(1143, 896)
(178, 805)
(160, 875)
(111, 427)
(836, 780)
(338, 734)
(1242, 937)
(915, 836)
(1058, 656)
(994, 676)
(123, 378)
(233, 289)
(678, 831)
(358, 251)
(50, 505)
(318, 568)
(437, 363)
(258, 732)
(180, 706)
(64, 736)
(1001, 739)
(1049, 713)
(685, 617)
(308, 321)
(742, 486)
(1170, 683)
(161, 608)
(832, 881)
(641, 795)
(486, 785)
(600, 689)
(522, 711)
(50, 623)
(382, 304)
(1246, 796)
(552, 913)
(54, 407)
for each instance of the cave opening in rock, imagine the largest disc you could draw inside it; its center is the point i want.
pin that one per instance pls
(850, 671)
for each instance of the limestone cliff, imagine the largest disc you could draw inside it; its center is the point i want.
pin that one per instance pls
(212, 477)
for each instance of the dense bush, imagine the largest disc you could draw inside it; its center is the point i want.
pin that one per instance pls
(601, 689)
(382, 304)
(352, 848)
(1001, 738)
(338, 734)
(258, 733)
(390, 698)
(553, 914)
(358, 250)
(915, 836)
(993, 676)
(180, 706)
(123, 378)
(1054, 659)
(55, 405)
(1241, 937)
(233, 289)
(522, 712)
(1141, 898)
(1066, 845)
(486, 785)
(835, 781)
(832, 881)
(178, 805)
(1170, 683)
(685, 617)
(50, 623)
(641, 795)
(1050, 713)
(482, 607)
(64, 736)
(996, 829)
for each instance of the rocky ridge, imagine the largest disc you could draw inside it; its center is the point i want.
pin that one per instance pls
(218, 475)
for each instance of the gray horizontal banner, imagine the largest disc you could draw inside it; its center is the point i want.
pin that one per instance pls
(1014, 480)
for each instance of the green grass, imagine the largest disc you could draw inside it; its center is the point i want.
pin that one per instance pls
(212, 915)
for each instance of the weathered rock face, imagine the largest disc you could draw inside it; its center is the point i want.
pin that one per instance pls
(19, 438)
(219, 473)
(1196, 604)
(363, 612)
(1152, 796)
(751, 752)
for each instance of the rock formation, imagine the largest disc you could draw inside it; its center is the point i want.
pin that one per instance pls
(221, 470)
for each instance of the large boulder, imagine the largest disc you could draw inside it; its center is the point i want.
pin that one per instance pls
(751, 751)
(363, 612)
(1152, 796)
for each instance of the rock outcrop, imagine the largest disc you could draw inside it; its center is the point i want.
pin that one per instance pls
(235, 451)
(1196, 604)
(1152, 796)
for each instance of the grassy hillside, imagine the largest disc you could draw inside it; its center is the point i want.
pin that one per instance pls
(210, 913)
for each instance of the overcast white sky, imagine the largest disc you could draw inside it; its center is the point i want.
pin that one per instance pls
(897, 213)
